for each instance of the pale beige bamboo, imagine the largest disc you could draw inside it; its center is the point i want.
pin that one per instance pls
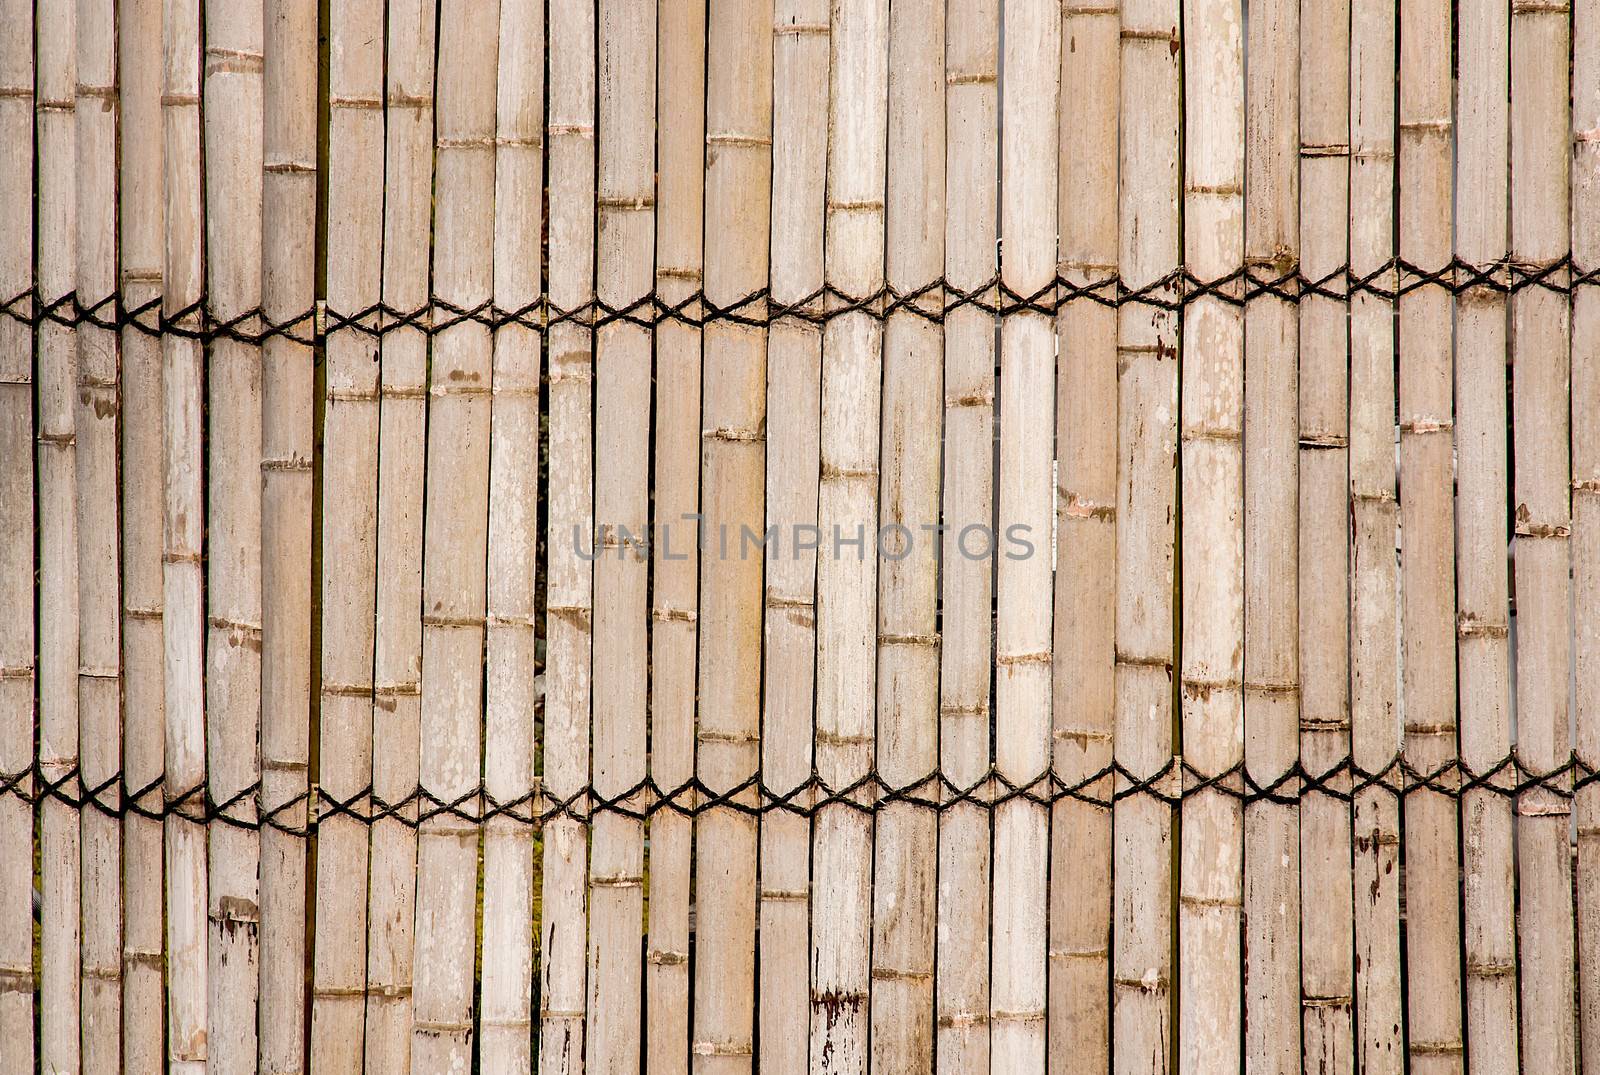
(902, 1019)
(625, 274)
(349, 540)
(847, 511)
(1147, 444)
(1210, 885)
(56, 353)
(1024, 549)
(455, 540)
(738, 167)
(402, 424)
(17, 540)
(141, 244)
(1271, 548)
(972, 103)
(1586, 507)
(1541, 493)
(288, 228)
(680, 176)
(1428, 687)
(231, 112)
(183, 528)
(1374, 589)
(99, 584)
(1086, 446)
(1483, 655)
(570, 542)
(1326, 939)
(794, 386)
(506, 1007)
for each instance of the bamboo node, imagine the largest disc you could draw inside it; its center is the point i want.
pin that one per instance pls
(1468, 625)
(886, 639)
(1029, 1015)
(722, 1048)
(1492, 968)
(1434, 1048)
(891, 974)
(796, 29)
(1329, 1001)
(660, 957)
(963, 1020)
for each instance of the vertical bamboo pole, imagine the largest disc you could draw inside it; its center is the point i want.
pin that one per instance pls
(1271, 550)
(1374, 590)
(1147, 387)
(1483, 654)
(99, 582)
(902, 1020)
(972, 102)
(680, 177)
(17, 541)
(1541, 491)
(141, 245)
(288, 229)
(1029, 88)
(1326, 940)
(56, 455)
(1428, 686)
(625, 272)
(1586, 506)
(183, 528)
(455, 540)
(402, 430)
(349, 524)
(847, 510)
(738, 168)
(506, 1010)
(1086, 445)
(794, 387)
(1210, 1005)
(569, 574)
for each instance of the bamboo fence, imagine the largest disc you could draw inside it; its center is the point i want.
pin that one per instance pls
(733, 536)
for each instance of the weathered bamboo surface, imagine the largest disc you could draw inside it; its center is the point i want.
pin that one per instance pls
(734, 536)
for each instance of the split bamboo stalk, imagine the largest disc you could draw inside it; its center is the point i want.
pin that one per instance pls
(506, 1009)
(231, 110)
(402, 432)
(625, 273)
(972, 102)
(1483, 654)
(141, 249)
(16, 540)
(1029, 122)
(183, 529)
(56, 453)
(738, 168)
(99, 582)
(680, 177)
(1086, 445)
(1374, 589)
(455, 540)
(1271, 548)
(1542, 492)
(349, 525)
(1326, 939)
(794, 386)
(1586, 504)
(569, 573)
(1427, 614)
(1210, 1005)
(288, 229)
(847, 510)
(902, 1020)
(1147, 336)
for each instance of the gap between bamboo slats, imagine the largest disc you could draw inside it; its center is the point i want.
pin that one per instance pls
(17, 591)
(1541, 521)
(1374, 588)
(905, 855)
(1326, 940)
(794, 387)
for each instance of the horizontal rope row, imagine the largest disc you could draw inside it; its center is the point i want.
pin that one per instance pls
(869, 794)
(933, 302)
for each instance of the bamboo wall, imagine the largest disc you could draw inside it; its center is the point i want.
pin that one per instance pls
(394, 396)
